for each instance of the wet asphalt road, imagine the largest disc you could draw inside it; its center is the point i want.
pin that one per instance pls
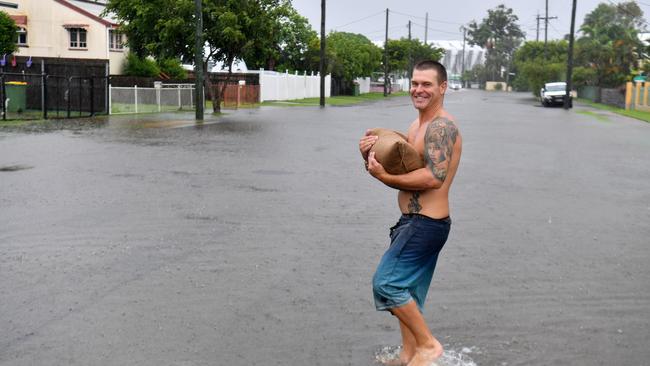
(252, 240)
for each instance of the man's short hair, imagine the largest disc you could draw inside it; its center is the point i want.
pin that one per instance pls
(433, 65)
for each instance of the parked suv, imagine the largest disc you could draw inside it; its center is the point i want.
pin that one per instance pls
(554, 93)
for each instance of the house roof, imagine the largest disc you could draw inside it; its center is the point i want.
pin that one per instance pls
(92, 10)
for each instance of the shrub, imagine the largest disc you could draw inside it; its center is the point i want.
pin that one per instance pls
(136, 66)
(173, 69)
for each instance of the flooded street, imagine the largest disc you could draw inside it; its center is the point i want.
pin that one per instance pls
(252, 239)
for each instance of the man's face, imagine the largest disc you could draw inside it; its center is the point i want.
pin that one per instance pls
(425, 90)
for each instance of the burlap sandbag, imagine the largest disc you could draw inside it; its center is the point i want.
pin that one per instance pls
(393, 151)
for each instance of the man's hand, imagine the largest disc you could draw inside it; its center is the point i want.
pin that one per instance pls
(365, 144)
(374, 167)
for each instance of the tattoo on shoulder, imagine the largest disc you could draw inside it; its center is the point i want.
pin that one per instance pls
(414, 203)
(439, 141)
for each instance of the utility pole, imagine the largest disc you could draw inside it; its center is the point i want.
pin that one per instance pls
(426, 27)
(410, 71)
(570, 59)
(198, 60)
(537, 36)
(321, 65)
(386, 58)
(546, 18)
(409, 30)
(462, 65)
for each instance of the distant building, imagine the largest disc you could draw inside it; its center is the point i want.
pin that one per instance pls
(73, 29)
(453, 58)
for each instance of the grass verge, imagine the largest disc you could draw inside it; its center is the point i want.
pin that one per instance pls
(333, 101)
(640, 115)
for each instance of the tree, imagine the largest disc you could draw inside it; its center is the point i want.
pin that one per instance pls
(289, 47)
(404, 53)
(351, 56)
(500, 35)
(232, 29)
(610, 45)
(8, 34)
(537, 64)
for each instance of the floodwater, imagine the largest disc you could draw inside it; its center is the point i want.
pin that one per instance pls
(251, 239)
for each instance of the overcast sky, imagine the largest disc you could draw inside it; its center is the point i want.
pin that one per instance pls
(445, 17)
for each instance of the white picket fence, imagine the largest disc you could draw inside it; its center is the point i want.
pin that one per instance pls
(285, 86)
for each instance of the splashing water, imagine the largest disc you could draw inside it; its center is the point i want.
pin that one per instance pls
(448, 358)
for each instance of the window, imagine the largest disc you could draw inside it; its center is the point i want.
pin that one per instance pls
(22, 37)
(77, 38)
(115, 40)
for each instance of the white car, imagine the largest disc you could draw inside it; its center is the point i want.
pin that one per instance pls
(455, 85)
(554, 93)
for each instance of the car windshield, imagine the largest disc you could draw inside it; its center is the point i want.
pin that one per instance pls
(556, 87)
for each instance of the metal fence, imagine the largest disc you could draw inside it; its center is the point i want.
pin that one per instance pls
(165, 98)
(42, 96)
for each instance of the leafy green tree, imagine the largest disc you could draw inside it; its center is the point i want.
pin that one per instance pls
(232, 29)
(172, 67)
(135, 65)
(610, 45)
(404, 53)
(289, 46)
(352, 55)
(534, 66)
(500, 34)
(8, 34)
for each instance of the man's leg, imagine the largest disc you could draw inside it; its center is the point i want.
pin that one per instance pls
(408, 344)
(427, 348)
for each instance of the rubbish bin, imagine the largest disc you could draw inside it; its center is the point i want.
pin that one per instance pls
(356, 91)
(16, 95)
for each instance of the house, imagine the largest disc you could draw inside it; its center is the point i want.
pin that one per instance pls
(67, 29)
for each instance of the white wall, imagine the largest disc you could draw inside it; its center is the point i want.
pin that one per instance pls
(284, 86)
(364, 85)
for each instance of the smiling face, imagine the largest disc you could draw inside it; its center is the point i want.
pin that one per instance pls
(426, 92)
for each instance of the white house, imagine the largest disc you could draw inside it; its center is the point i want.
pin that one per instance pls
(72, 29)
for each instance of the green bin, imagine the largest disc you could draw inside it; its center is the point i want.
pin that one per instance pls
(356, 91)
(17, 95)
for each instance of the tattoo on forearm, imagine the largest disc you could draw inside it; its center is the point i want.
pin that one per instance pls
(439, 142)
(414, 203)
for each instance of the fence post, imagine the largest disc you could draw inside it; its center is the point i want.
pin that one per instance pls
(180, 106)
(68, 95)
(2, 97)
(92, 96)
(43, 90)
(110, 99)
(136, 98)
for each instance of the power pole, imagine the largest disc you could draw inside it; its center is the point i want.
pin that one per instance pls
(410, 71)
(570, 58)
(546, 18)
(321, 65)
(198, 60)
(462, 66)
(386, 58)
(409, 30)
(426, 27)
(537, 36)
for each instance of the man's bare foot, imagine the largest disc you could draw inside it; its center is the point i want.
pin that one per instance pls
(402, 360)
(426, 356)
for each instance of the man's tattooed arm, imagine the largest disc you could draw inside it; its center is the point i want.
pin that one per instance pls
(439, 141)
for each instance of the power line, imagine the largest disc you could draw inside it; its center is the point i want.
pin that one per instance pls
(358, 20)
(436, 30)
(423, 18)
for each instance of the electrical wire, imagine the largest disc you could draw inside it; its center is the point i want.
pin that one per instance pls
(358, 20)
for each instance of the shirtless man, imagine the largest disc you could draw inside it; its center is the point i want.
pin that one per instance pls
(404, 273)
